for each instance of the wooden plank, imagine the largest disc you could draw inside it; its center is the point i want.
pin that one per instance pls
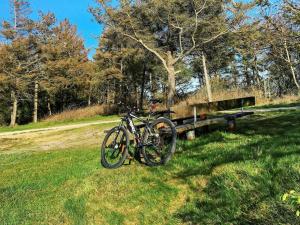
(203, 108)
(237, 115)
(188, 123)
(198, 124)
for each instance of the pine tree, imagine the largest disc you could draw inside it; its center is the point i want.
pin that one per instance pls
(20, 57)
(169, 29)
(64, 55)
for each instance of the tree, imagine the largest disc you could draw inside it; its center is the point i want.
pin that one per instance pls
(20, 55)
(63, 56)
(170, 30)
(125, 69)
(44, 36)
(283, 41)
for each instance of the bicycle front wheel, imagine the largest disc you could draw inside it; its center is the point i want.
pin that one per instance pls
(114, 149)
(159, 142)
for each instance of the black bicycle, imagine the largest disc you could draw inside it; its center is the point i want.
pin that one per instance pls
(155, 139)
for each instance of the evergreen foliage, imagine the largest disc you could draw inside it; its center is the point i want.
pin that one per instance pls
(147, 49)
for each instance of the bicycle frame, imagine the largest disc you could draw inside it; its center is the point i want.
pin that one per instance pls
(128, 120)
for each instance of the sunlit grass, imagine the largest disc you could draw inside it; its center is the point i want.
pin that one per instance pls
(220, 178)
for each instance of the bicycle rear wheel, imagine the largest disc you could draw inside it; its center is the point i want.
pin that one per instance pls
(114, 149)
(159, 142)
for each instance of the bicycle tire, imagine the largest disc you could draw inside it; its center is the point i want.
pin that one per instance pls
(124, 148)
(171, 149)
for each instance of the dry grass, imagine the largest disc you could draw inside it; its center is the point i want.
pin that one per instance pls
(221, 92)
(225, 94)
(82, 113)
(287, 99)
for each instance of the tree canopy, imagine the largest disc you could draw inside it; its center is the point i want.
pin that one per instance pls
(163, 49)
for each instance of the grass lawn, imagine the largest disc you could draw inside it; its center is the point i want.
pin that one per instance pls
(46, 124)
(275, 105)
(220, 178)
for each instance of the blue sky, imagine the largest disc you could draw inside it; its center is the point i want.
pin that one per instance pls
(74, 10)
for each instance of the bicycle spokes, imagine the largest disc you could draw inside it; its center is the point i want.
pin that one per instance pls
(159, 142)
(115, 147)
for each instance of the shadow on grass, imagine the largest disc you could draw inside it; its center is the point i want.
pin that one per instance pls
(246, 173)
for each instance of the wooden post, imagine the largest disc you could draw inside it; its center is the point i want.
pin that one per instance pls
(242, 109)
(190, 135)
(195, 114)
(231, 125)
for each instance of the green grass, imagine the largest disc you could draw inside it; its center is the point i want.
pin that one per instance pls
(271, 106)
(46, 124)
(220, 178)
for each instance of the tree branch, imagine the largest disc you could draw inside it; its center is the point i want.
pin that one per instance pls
(182, 55)
(148, 48)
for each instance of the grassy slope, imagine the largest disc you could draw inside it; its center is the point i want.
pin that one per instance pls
(46, 124)
(220, 178)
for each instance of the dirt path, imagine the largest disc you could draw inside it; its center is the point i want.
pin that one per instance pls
(56, 128)
(80, 125)
(84, 135)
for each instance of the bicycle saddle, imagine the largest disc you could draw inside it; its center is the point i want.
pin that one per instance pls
(155, 101)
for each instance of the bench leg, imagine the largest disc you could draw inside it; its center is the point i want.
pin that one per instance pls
(231, 125)
(190, 135)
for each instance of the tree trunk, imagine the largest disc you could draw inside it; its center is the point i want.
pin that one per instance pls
(269, 88)
(14, 109)
(256, 72)
(49, 107)
(89, 99)
(107, 94)
(136, 97)
(35, 102)
(235, 74)
(171, 86)
(291, 66)
(248, 79)
(265, 88)
(200, 79)
(171, 80)
(207, 80)
(152, 86)
(142, 89)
